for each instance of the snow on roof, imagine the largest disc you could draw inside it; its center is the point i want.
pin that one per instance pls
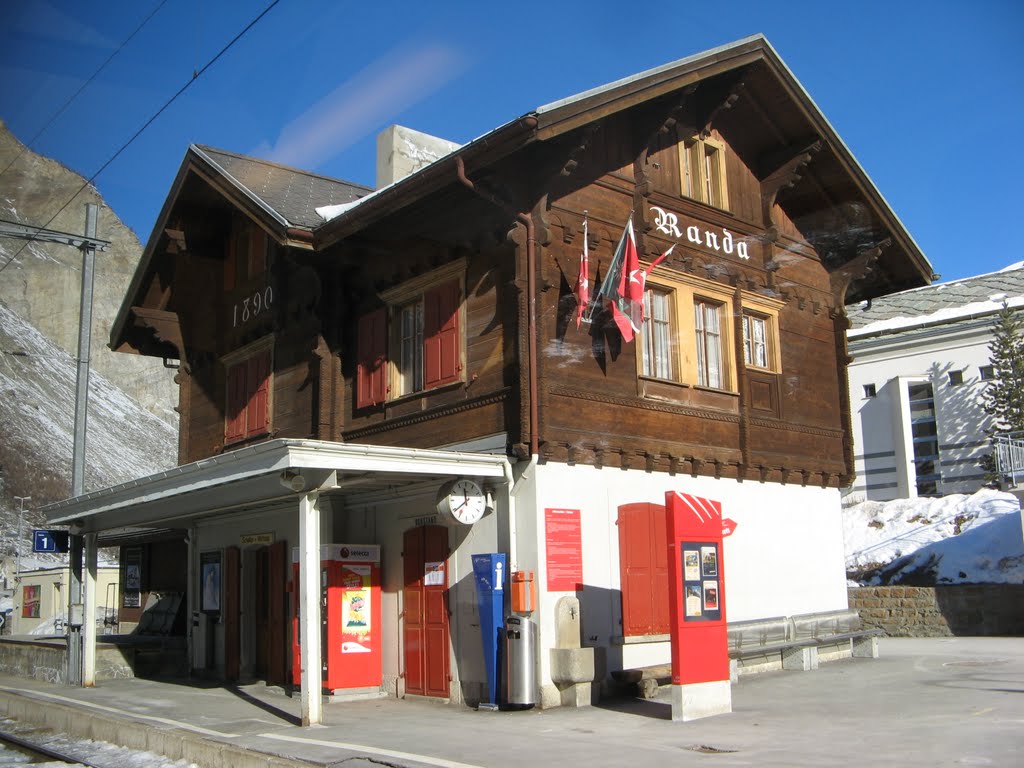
(939, 303)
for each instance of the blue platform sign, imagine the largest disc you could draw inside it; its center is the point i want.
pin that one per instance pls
(489, 574)
(49, 541)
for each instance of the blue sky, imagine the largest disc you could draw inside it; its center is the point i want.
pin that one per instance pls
(929, 96)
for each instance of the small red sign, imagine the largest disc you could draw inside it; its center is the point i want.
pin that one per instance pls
(728, 526)
(564, 540)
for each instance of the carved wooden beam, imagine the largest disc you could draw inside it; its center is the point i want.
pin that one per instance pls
(857, 268)
(585, 135)
(787, 171)
(735, 91)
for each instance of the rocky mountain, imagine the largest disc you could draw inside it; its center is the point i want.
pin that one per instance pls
(132, 427)
(43, 282)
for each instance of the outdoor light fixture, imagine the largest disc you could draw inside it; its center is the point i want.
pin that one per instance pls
(293, 480)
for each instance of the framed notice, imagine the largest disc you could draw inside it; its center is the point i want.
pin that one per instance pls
(564, 544)
(701, 601)
(209, 575)
(131, 595)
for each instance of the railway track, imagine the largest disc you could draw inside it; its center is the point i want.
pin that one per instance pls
(33, 750)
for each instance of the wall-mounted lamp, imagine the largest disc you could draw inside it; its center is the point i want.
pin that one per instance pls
(293, 480)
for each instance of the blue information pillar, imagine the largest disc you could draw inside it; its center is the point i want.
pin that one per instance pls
(489, 572)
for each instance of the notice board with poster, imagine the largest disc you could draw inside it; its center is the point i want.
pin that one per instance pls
(701, 585)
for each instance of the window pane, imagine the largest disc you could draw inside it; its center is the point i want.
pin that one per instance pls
(410, 359)
(709, 344)
(657, 349)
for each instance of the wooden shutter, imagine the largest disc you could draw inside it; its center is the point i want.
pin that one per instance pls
(229, 264)
(258, 391)
(235, 421)
(643, 566)
(371, 353)
(442, 340)
(257, 252)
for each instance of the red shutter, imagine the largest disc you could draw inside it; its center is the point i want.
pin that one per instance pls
(371, 356)
(258, 391)
(442, 340)
(643, 565)
(234, 428)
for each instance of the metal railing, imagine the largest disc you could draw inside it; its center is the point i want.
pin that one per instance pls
(1009, 450)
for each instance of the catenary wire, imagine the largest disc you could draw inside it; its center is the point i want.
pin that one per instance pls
(195, 76)
(28, 144)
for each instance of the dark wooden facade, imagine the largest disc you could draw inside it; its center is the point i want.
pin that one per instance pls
(231, 275)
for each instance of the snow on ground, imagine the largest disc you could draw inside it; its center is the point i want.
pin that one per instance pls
(973, 539)
(37, 409)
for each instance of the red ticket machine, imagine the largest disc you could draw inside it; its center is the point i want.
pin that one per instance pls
(700, 641)
(350, 614)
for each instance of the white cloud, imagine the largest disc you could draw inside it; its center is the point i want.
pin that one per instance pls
(363, 103)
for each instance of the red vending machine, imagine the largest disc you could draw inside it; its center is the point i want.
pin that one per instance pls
(352, 640)
(350, 615)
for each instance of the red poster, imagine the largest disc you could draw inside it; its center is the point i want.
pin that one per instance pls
(565, 549)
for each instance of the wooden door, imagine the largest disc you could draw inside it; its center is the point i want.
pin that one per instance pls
(425, 631)
(232, 613)
(277, 613)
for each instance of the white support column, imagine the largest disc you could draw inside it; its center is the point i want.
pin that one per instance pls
(309, 608)
(89, 613)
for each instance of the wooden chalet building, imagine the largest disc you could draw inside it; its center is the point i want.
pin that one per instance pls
(337, 368)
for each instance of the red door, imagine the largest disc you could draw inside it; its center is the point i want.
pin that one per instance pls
(425, 634)
(232, 613)
(277, 612)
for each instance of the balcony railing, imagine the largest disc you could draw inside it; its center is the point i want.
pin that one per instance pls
(1010, 456)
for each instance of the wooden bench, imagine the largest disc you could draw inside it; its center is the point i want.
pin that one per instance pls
(646, 679)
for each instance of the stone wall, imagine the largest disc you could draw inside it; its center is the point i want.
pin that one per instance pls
(966, 609)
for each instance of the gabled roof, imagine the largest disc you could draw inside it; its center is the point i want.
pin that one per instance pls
(290, 193)
(939, 303)
(859, 220)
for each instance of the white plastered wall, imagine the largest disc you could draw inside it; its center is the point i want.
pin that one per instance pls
(785, 558)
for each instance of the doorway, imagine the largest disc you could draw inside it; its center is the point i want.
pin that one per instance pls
(425, 599)
(262, 618)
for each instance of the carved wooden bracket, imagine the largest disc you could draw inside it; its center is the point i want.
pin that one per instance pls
(857, 268)
(571, 163)
(728, 103)
(787, 170)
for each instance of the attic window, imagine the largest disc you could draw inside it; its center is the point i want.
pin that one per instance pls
(956, 378)
(702, 171)
(987, 372)
(869, 390)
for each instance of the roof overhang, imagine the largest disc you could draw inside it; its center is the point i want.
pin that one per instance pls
(260, 476)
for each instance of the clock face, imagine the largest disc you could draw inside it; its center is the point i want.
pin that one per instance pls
(465, 501)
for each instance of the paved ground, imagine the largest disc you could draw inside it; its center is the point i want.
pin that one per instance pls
(924, 702)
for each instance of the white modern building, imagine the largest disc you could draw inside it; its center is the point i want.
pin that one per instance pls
(920, 366)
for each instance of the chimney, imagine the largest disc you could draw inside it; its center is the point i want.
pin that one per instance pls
(402, 151)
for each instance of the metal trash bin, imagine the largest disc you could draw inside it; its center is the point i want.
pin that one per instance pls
(520, 662)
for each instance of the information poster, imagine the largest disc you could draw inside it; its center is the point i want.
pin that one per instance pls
(355, 608)
(700, 581)
(564, 544)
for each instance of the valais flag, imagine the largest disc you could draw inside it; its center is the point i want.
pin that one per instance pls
(627, 303)
(583, 281)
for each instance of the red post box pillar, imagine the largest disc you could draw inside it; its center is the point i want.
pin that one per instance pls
(700, 641)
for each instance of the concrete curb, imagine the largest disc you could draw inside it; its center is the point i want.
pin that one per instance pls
(169, 742)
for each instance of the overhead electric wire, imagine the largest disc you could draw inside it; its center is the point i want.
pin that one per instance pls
(28, 144)
(195, 76)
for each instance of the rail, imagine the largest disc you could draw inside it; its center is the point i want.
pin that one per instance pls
(1009, 450)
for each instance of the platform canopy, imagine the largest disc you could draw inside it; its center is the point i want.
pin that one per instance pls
(260, 475)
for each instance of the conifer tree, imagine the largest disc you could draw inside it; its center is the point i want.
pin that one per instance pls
(1003, 399)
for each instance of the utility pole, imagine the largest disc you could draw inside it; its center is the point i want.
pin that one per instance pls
(21, 516)
(88, 244)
